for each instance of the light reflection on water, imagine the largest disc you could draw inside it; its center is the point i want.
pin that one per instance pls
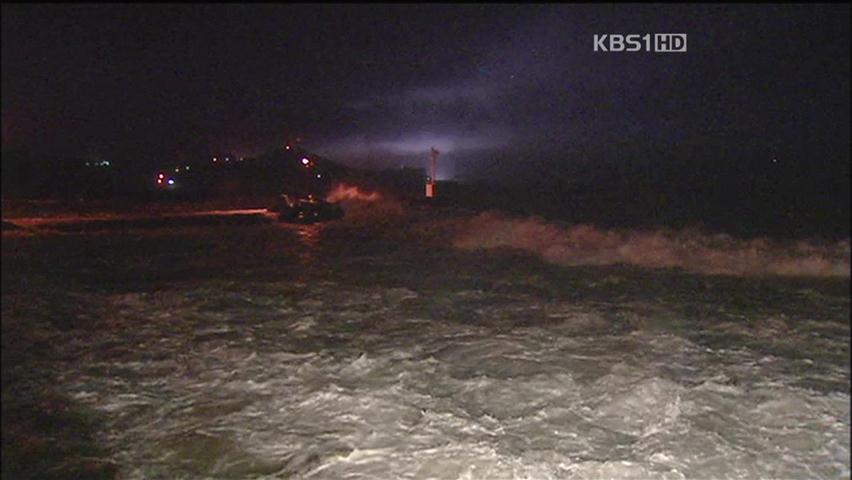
(309, 239)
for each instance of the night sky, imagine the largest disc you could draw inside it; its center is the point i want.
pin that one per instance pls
(498, 89)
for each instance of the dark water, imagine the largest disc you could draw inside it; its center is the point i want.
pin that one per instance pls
(404, 342)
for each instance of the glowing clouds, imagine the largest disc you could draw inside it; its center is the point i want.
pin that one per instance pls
(413, 145)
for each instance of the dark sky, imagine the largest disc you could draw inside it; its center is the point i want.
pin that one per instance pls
(492, 86)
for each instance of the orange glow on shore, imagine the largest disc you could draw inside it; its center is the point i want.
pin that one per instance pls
(349, 192)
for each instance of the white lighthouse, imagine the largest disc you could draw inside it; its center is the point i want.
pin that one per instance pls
(430, 182)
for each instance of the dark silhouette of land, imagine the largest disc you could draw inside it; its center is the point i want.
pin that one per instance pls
(747, 201)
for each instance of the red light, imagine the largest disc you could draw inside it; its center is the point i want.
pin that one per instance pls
(160, 175)
(159, 180)
(286, 147)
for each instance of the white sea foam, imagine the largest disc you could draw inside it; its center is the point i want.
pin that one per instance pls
(443, 400)
(661, 248)
(364, 366)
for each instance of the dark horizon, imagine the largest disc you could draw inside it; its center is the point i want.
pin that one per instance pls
(494, 87)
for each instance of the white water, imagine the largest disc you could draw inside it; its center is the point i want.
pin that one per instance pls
(389, 359)
(659, 248)
(329, 381)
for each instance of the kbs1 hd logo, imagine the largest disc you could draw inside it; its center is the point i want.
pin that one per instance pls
(657, 43)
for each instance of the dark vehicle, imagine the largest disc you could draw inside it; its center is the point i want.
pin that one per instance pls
(305, 209)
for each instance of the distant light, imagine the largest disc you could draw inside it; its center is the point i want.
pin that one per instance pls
(171, 181)
(87, 164)
(187, 167)
(161, 175)
(215, 159)
(159, 180)
(319, 176)
(177, 170)
(305, 161)
(286, 147)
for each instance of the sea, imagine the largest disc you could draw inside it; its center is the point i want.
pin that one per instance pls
(408, 341)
